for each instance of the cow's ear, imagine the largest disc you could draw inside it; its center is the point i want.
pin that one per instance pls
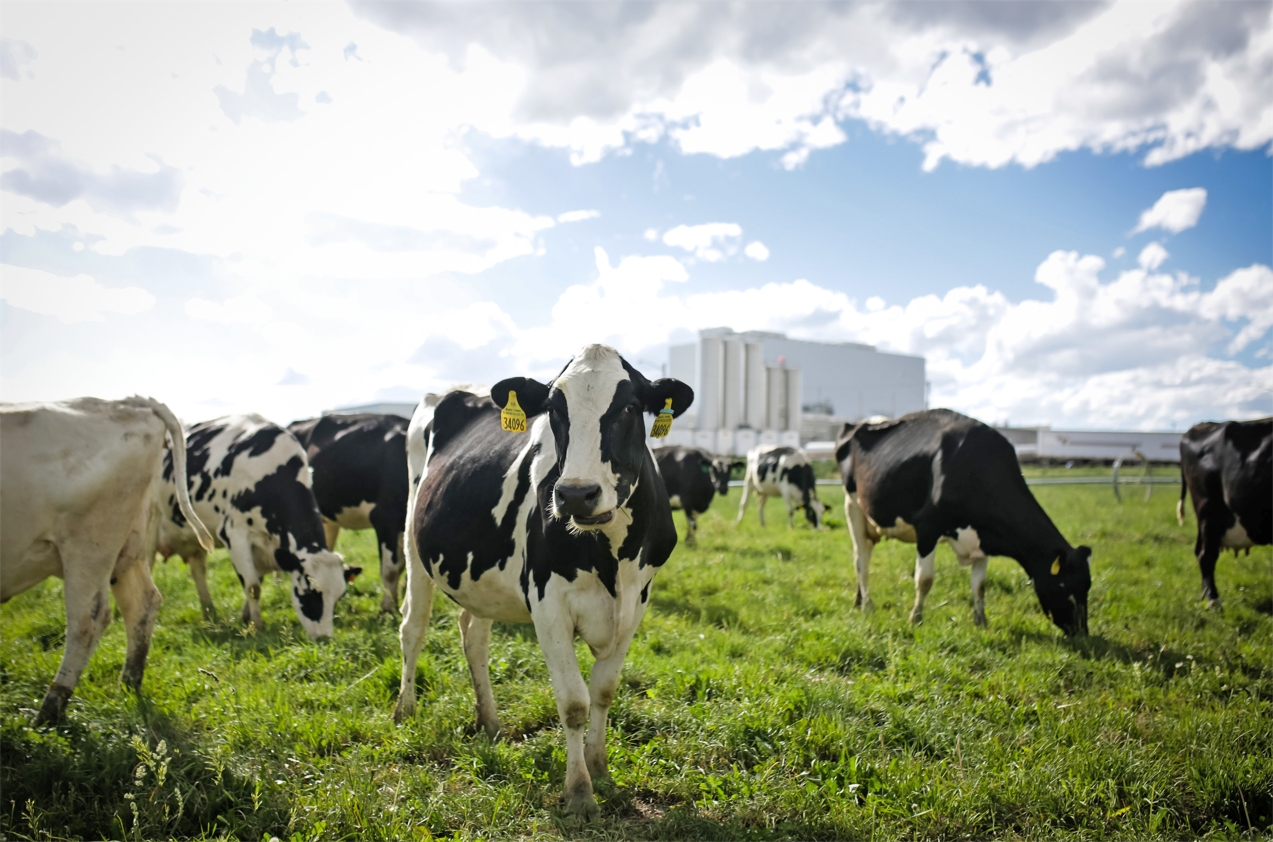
(842, 441)
(654, 397)
(532, 396)
(351, 573)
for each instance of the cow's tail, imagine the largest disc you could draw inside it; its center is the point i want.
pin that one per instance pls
(180, 478)
(1180, 504)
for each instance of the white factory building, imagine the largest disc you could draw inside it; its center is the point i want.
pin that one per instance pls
(758, 387)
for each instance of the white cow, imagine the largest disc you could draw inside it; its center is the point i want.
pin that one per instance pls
(77, 496)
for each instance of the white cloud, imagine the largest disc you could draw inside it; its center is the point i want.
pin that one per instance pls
(977, 87)
(1175, 211)
(578, 216)
(1152, 256)
(77, 299)
(1119, 252)
(244, 309)
(874, 304)
(757, 250)
(703, 240)
(651, 234)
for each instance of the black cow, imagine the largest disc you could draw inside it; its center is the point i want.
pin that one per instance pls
(563, 526)
(250, 484)
(938, 476)
(360, 482)
(778, 471)
(692, 477)
(1228, 468)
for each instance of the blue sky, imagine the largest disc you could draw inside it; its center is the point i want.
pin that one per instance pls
(1067, 209)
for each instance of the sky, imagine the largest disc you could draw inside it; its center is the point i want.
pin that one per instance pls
(1066, 208)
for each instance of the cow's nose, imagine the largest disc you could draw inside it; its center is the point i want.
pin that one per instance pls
(577, 500)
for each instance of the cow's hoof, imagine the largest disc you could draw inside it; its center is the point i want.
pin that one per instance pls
(491, 729)
(868, 606)
(53, 706)
(404, 710)
(917, 617)
(131, 678)
(210, 613)
(979, 619)
(1214, 604)
(583, 805)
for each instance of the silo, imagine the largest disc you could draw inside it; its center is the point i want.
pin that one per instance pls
(754, 400)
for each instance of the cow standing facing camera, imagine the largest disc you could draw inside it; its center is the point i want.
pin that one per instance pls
(778, 471)
(938, 476)
(250, 483)
(541, 504)
(692, 477)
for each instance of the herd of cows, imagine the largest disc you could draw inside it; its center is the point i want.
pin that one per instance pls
(525, 503)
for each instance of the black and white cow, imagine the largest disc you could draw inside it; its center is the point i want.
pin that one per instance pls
(778, 471)
(692, 477)
(251, 484)
(1228, 468)
(938, 476)
(78, 501)
(359, 464)
(563, 526)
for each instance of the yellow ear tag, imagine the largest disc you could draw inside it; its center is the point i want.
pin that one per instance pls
(1056, 566)
(512, 418)
(663, 421)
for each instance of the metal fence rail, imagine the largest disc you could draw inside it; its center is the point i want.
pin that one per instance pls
(737, 483)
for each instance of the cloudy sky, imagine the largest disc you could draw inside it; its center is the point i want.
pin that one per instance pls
(1067, 208)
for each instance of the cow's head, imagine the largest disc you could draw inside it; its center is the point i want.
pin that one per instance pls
(595, 411)
(803, 478)
(719, 469)
(320, 581)
(1062, 589)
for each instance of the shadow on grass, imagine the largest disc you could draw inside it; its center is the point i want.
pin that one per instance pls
(712, 613)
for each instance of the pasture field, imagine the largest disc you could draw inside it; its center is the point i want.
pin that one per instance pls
(756, 704)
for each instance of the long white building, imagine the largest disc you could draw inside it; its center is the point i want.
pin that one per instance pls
(754, 387)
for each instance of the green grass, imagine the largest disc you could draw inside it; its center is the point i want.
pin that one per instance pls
(756, 704)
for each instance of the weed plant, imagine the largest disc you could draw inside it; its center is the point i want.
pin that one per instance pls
(757, 703)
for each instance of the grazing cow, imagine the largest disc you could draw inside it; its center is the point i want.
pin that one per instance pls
(562, 526)
(938, 476)
(777, 471)
(359, 462)
(251, 483)
(77, 498)
(1228, 468)
(692, 476)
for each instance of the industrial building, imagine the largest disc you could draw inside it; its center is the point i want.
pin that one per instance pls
(758, 387)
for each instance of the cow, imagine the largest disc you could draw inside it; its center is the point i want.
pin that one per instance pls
(77, 501)
(936, 476)
(359, 464)
(1228, 468)
(250, 481)
(692, 476)
(779, 471)
(562, 526)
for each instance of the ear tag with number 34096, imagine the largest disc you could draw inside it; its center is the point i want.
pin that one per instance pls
(512, 417)
(663, 421)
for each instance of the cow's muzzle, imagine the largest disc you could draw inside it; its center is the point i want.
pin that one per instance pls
(1078, 628)
(580, 502)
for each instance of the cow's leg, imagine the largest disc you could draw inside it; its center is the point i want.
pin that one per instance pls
(742, 504)
(331, 531)
(1208, 550)
(791, 511)
(924, 569)
(416, 611)
(691, 528)
(138, 600)
(240, 547)
(556, 630)
(198, 564)
(475, 637)
(760, 507)
(862, 547)
(602, 685)
(979, 590)
(391, 564)
(88, 612)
